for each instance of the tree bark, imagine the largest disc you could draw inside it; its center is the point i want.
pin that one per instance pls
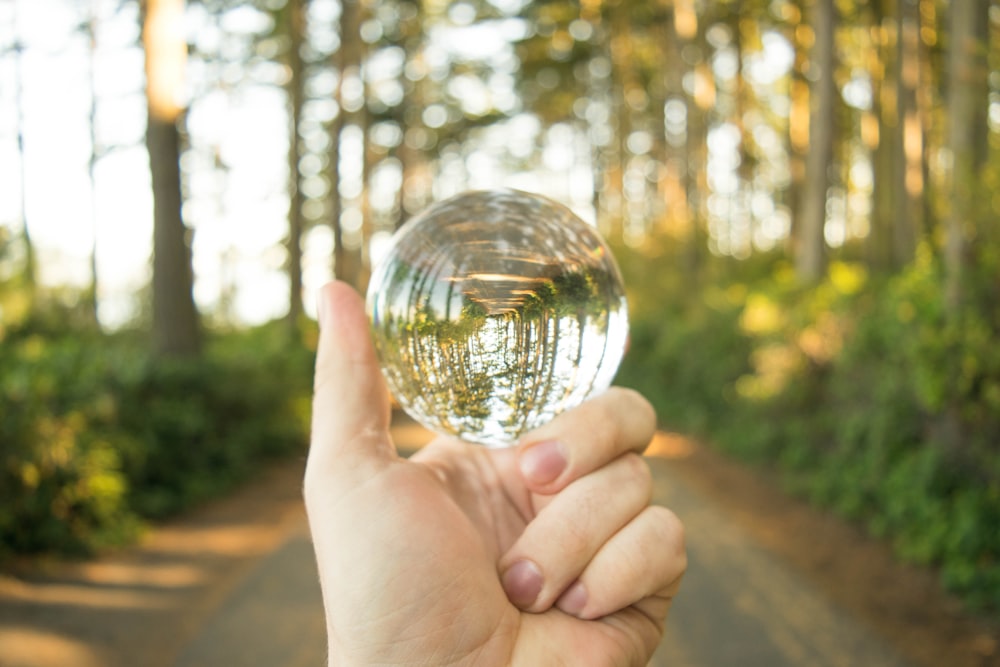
(296, 97)
(29, 271)
(885, 163)
(909, 187)
(94, 287)
(347, 261)
(798, 138)
(175, 318)
(810, 254)
(967, 79)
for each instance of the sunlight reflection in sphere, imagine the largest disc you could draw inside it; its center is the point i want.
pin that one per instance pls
(494, 311)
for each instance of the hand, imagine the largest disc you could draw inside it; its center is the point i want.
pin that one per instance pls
(544, 554)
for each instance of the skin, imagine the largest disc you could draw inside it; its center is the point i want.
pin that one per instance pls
(548, 553)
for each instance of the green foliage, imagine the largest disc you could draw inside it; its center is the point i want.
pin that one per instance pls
(671, 361)
(871, 399)
(95, 435)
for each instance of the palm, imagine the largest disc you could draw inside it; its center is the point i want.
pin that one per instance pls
(454, 509)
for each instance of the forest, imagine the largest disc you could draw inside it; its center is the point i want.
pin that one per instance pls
(802, 196)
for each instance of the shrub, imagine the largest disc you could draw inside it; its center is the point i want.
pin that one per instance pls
(870, 399)
(95, 435)
(61, 481)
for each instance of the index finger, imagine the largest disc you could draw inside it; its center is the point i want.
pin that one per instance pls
(586, 438)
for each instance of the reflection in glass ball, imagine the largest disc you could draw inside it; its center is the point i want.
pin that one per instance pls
(494, 311)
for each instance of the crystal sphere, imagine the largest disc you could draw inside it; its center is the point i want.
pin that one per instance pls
(494, 311)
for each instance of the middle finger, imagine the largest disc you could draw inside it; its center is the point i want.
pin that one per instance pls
(559, 542)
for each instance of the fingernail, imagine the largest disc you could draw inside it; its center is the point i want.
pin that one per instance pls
(523, 582)
(573, 600)
(543, 462)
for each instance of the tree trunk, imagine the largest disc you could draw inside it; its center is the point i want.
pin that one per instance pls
(909, 185)
(346, 260)
(93, 288)
(296, 97)
(336, 203)
(809, 258)
(798, 133)
(623, 80)
(689, 34)
(29, 271)
(175, 319)
(885, 163)
(364, 122)
(967, 80)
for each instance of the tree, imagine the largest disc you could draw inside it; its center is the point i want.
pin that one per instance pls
(967, 132)
(91, 32)
(295, 15)
(175, 318)
(809, 255)
(29, 270)
(885, 80)
(898, 154)
(348, 57)
(908, 177)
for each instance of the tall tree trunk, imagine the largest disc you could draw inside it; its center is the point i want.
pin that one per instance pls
(967, 83)
(909, 185)
(809, 256)
(672, 153)
(336, 207)
(689, 33)
(620, 50)
(29, 271)
(967, 80)
(347, 261)
(886, 153)
(364, 122)
(296, 96)
(601, 90)
(92, 289)
(410, 159)
(798, 131)
(927, 103)
(175, 319)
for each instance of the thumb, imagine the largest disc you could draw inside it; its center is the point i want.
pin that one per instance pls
(351, 409)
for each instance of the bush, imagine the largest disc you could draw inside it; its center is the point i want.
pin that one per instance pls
(201, 426)
(863, 392)
(95, 435)
(61, 480)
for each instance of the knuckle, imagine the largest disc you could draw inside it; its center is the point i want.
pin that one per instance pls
(637, 563)
(576, 542)
(633, 413)
(638, 471)
(669, 529)
(632, 400)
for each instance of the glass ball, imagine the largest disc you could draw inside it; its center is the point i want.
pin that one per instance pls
(494, 311)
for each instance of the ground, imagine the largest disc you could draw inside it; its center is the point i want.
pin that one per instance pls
(905, 604)
(772, 582)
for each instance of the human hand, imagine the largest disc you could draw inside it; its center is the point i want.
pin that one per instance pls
(544, 554)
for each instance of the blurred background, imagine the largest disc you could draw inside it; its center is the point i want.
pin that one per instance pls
(802, 194)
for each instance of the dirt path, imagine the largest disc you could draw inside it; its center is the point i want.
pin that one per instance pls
(142, 605)
(771, 583)
(795, 586)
